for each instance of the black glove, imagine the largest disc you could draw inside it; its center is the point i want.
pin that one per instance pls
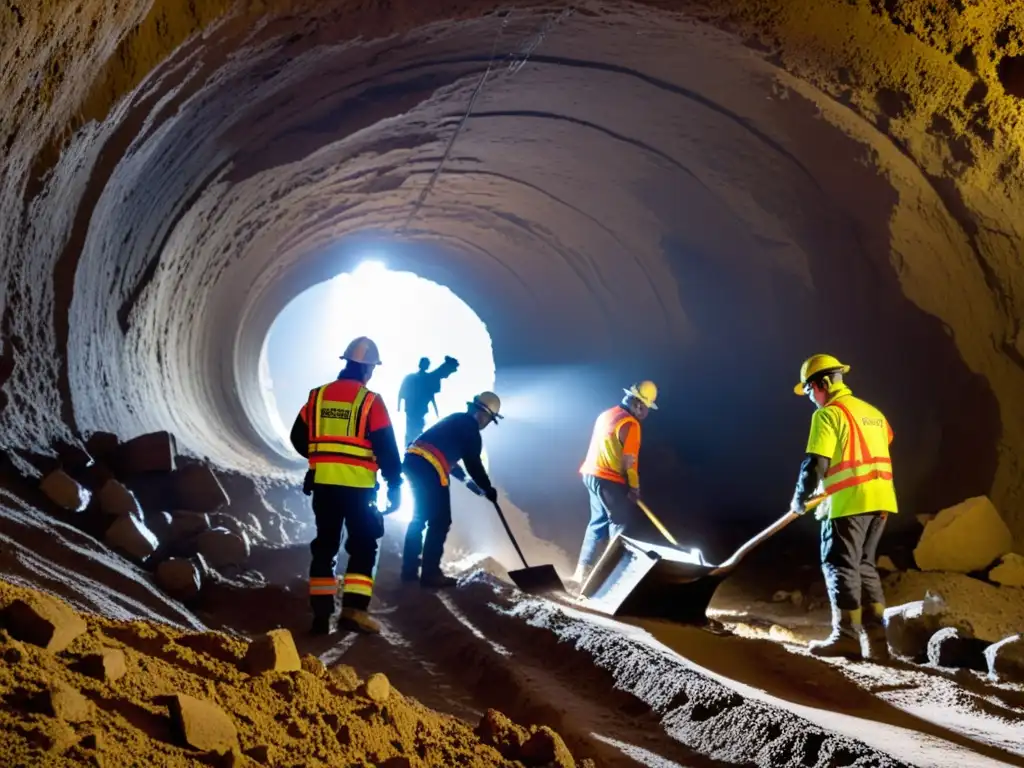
(492, 495)
(378, 523)
(307, 483)
(458, 472)
(394, 496)
(474, 488)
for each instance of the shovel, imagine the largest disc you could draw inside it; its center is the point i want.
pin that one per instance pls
(534, 580)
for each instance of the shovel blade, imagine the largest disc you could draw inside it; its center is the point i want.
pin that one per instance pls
(537, 579)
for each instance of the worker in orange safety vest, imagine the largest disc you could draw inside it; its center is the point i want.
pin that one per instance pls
(848, 456)
(346, 433)
(611, 474)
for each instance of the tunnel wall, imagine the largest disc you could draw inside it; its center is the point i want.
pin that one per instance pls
(700, 196)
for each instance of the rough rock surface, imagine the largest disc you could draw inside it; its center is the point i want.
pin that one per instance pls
(164, 155)
(152, 452)
(1009, 572)
(64, 491)
(44, 621)
(273, 652)
(967, 537)
(221, 548)
(179, 577)
(187, 696)
(130, 535)
(1006, 659)
(117, 501)
(910, 626)
(979, 609)
(107, 665)
(949, 648)
(196, 487)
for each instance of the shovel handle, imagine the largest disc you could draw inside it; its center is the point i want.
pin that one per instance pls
(512, 538)
(764, 535)
(657, 523)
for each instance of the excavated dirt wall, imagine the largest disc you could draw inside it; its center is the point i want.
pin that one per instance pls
(721, 188)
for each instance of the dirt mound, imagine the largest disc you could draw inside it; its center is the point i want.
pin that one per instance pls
(136, 693)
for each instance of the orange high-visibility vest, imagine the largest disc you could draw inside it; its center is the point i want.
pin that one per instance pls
(338, 416)
(604, 457)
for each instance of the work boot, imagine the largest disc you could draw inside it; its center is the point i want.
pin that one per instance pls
(845, 638)
(437, 581)
(358, 620)
(876, 645)
(321, 625)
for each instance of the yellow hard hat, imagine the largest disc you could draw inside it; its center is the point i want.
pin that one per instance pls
(362, 350)
(646, 392)
(814, 365)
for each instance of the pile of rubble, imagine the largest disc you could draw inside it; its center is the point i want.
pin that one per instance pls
(84, 690)
(964, 607)
(170, 514)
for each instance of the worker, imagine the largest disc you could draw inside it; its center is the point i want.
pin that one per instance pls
(345, 431)
(848, 455)
(417, 394)
(611, 473)
(430, 462)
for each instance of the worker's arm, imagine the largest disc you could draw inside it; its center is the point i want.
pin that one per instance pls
(821, 444)
(300, 435)
(381, 435)
(475, 466)
(629, 438)
(812, 472)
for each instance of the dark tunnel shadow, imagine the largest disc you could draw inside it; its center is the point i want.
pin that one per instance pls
(735, 426)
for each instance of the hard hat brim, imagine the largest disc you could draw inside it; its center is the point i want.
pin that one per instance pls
(641, 398)
(799, 388)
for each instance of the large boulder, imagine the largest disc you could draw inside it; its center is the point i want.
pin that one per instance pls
(64, 491)
(153, 452)
(203, 725)
(949, 647)
(117, 501)
(1006, 659)
(273, 652)
(965, 538)
(102, 446)
(197, 488)
(1009, 572)
(130, 535)
(223, 549)
(186, 525)
(910, 626)
(44, 621)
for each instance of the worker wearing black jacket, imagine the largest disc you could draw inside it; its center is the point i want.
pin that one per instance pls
(346, 433)
(429, 464)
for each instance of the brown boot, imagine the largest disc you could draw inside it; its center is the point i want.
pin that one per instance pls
(876, 646)
(358, 620)
(845, 638)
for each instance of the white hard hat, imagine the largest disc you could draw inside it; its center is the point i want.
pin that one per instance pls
(489, 403)
(362, 350)
(646, 392)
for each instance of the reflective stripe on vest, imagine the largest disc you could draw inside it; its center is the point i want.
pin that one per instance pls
(858, 481)
(434, 457)
(339, 451)
(604, 456)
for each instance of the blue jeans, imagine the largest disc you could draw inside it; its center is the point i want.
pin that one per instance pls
(611, 513)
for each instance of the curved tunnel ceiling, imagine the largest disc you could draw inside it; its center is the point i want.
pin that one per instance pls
(703, 196)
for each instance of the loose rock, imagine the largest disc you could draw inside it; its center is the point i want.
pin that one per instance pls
(314, 666)
(102, 446)
(273, 652)
(44, 621)
(131, 536)
(378, 688)
(68, 704)
(497, 731)
(197, 488)
(107, 665)
(153, 452)
(949, 647)
(179, 578)
(545, 747)
(222, 548)
(1009, 572)
(965, 538)
(185, 524)
(64, 491)
(203, 725)
(345, 677)
(1005, 659)
(160, 523)
(885, 563)
(117, 501)
(909, 627)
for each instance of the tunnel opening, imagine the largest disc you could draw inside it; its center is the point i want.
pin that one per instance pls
(417, 324)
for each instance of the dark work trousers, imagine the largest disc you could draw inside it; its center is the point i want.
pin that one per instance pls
(849, 547)
(611, 513)
(414, 425)
(432, 509)
(355, 509)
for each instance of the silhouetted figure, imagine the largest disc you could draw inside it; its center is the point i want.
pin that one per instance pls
(417, 394)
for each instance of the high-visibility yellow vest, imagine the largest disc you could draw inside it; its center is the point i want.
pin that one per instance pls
(857, 437)
(338, 415)
(604, 456)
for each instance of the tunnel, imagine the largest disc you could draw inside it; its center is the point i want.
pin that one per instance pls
(698, 194)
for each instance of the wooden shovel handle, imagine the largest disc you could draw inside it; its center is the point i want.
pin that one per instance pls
(764, 535)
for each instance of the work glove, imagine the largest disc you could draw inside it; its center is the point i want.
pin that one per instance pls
(474, 488)
(796, 507)
(307, 483)
(633, 495)
(492, 495)
(458, 472)
(821, 512)
(394, 497)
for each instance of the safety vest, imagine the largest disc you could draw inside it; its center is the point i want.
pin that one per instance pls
(859, 476)
(338, 415)
(434, 457)
(604, 456)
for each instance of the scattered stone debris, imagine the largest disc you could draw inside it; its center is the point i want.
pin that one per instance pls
(130, 535)
(910, 626)
(223, 549)
(68, 704)
(1005, 659)
(273, 652)
(65, 491)
(152, 452)
(179, 578)
(204, 725)
(107, 665)
(378, 688)
(949, 647)
(117, 501)
(965, 538)
(1009, 572)
(196, 487)
(44, 621)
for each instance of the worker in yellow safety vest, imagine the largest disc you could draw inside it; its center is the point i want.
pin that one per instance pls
(848, 456)
(345, 431)
(611, 474)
